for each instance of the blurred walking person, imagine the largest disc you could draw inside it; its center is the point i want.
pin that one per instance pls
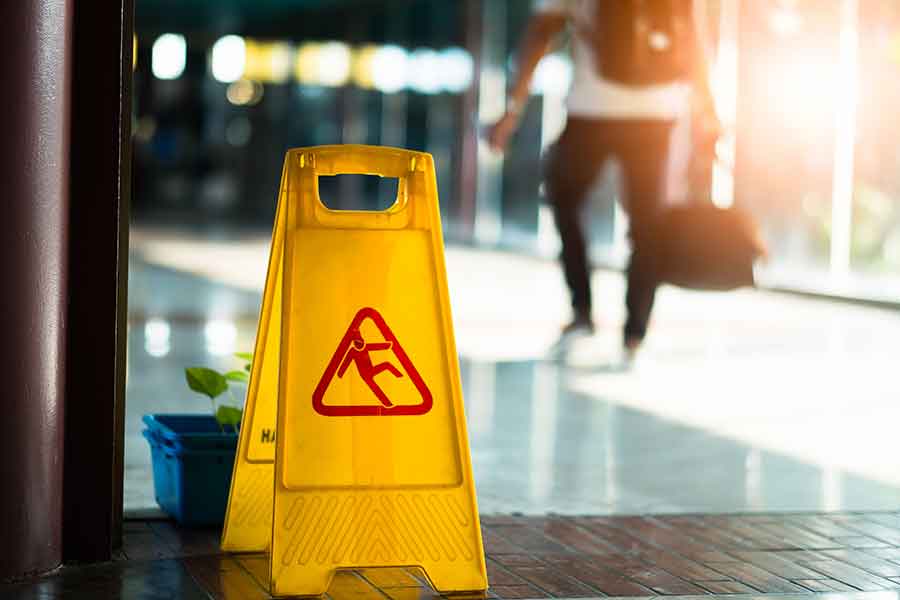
(638, 65)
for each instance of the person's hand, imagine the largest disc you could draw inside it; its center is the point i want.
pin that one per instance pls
(706, 122)
(499, 133)
(707, 129)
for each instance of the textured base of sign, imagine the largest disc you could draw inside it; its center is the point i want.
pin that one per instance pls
(250, 516)
(431, 530)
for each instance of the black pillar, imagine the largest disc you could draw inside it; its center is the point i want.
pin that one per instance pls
(100, 180)
(34, 161)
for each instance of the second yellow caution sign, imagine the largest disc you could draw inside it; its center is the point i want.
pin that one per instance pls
(371, 458)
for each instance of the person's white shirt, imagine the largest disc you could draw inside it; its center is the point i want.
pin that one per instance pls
(593, 97)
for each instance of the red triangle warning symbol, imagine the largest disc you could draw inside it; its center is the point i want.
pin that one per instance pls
(354, 349)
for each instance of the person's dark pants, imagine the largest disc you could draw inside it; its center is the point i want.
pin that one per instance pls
(572, 166)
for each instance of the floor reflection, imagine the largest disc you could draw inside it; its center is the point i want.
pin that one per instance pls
(150, 579)
(538, 446)
(745, 402)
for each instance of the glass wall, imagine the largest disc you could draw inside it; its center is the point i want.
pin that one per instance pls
(786, 110)
(817, 142)
(875, 244)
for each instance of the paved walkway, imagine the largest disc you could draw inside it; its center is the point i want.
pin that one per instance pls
(800, 555)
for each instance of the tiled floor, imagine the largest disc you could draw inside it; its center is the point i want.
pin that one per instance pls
(541, 557)
(746, 401)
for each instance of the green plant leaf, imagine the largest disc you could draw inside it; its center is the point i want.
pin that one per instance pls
(245, 356)
(206, 381)
(240, 376)
(228, 415)
(248, 367)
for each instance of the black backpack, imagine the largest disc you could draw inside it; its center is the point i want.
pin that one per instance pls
(642, 42)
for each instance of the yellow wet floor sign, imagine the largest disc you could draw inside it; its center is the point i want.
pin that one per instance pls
(353, 450)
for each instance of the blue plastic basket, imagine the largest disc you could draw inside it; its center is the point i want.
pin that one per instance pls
(192, 463)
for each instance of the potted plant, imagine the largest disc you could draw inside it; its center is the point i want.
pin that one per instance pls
(193, 454)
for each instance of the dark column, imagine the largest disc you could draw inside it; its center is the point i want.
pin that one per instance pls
(98, 273)
(34, 160)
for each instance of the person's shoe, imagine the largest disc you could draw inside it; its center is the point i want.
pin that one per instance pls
(630, 349)
(581, 324)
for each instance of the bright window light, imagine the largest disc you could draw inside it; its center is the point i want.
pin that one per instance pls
(306, 64)
(362, 66)
(169, 56)
(244, 92)
(785, 21)
(425, 75)
(267, 61)
(328, 64)
(456, 69)
(229, 56)
(333, 64)
(389, 69)
(221, 337)
(157, 337)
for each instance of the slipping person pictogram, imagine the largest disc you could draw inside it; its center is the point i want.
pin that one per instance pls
(353, 348)
(358, 353)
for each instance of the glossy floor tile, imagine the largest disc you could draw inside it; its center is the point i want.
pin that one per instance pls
(149, 580)
(788, 557)
(740, 402)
